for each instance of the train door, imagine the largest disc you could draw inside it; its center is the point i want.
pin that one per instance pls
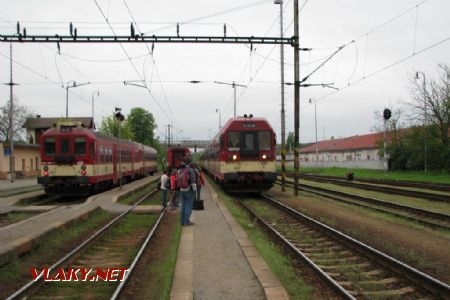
(115, 162)
(249, 143)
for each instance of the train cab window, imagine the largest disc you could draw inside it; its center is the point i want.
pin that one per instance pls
(264, 140)
(49, 146)
(65, 149)
(233, 141)
(80, 146)
(249, 141)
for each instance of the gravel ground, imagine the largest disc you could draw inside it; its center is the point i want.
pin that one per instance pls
(220, 268)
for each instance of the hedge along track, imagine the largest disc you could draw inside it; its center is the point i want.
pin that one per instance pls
(377, 188)
(355, 270)
(34, 285)
(422, 216)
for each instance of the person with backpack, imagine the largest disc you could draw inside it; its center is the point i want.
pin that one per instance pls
(163, 188)
(187, 184)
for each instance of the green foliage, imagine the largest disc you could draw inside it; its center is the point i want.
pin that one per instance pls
(407, 151)
(290, 141)
(110, 126)
(142, 124)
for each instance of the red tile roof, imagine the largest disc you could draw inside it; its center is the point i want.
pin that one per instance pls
(357, 142)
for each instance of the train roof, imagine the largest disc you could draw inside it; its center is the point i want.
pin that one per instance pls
(96, 134)
(246, 122)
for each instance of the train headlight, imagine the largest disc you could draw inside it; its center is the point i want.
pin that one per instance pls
(83, 172)
(45, 173)
(264, 156)
(234, 156)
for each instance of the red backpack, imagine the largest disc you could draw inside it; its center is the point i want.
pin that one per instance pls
(183, 178)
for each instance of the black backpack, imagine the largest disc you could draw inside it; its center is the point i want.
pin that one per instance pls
(167, 184)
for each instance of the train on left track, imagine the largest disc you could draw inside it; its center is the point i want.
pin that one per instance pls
(76, 161)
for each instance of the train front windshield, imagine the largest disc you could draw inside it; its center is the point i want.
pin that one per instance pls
(249, 141)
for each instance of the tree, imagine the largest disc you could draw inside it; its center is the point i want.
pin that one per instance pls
(20, 114)
(110, 126)
(432, 99)
(142, 124)
(290, 141)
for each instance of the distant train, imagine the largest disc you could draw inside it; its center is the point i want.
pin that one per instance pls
(78, 161)
(175, 156)
(242, 155)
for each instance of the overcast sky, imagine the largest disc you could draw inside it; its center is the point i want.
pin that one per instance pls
(384, 33)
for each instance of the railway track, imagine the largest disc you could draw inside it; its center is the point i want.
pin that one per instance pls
(422, 216)
(78, 256)
(403, 183)
(382, 189)
(353, 269)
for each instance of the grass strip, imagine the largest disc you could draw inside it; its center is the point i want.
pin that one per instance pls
(14, 217)
(133, 197)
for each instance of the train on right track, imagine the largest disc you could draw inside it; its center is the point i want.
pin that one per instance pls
(242, 155)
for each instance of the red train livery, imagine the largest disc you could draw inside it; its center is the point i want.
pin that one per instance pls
(175, 156)
(242, 155)
(78, 161)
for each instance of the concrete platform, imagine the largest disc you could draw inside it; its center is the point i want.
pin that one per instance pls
(216, 260)
(21, 237)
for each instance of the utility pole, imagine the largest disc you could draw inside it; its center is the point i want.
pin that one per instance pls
(120, 119)
(283, 116)
(296, 98)
(74, 85)
(93, 94)
(424, 117)
(11, 116)
(168, 136)
(233, 85)
(315, 127)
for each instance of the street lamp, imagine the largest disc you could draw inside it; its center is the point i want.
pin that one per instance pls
(425, 117)
(93, 94)
(220, 121)
(74, 85)
(315, 126)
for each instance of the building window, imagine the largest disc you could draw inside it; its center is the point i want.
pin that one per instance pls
(31, 164)
(23, 164)
(36, 160)
(368, 157)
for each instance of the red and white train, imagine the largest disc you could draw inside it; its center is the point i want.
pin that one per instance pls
(175, 156)
(242, 155)
(78, 161)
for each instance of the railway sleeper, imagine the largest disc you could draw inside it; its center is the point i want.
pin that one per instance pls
(318, 253)
(335, 268)
(342, 261)
(403, 291)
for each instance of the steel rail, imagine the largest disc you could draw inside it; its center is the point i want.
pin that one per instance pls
(429, 283)
(416, 194)
(341, 290)
(418, 211)
(64, 259)
(122, 284)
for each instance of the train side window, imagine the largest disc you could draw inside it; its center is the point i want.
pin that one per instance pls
(49, 146)
(80, 146)
(65, 149)
(233, 141)
(264, 140)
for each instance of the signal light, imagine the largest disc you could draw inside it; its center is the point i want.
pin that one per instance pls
(83, 172)
(45, 173)
(387, 114)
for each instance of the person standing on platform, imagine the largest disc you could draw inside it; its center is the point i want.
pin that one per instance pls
(162, 187)
(200, 183)
(173, 189)
(186, 183)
